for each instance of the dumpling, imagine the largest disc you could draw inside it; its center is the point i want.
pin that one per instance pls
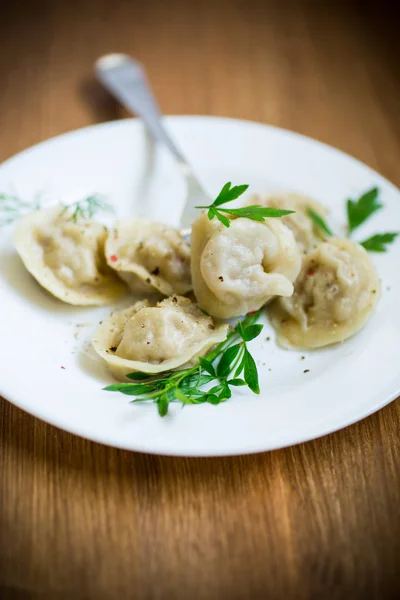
(237, 269)
(66, 256)
(156, 338)
(307, 234)
(334, 297)
(150, 257)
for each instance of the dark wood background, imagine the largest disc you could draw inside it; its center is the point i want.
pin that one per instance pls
(320, 520)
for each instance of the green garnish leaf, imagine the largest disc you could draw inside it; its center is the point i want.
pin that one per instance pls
(358, 211)
(216, 389)
(130, 389)
(251, 332)
(225, 393)
(213, 399)
(254, 212)
(257, 213)
(224, 220)
(250, 372)
(138, 376)
(250, 319)
(221, 367)
(211, 213)
(228, 193)
(206, 365)
(162, 405)
(240, 329)
(182, 397)
(236, 382)
(379, 242)
(227, 359)
(117, 387)
(240, 368)
(318, 220)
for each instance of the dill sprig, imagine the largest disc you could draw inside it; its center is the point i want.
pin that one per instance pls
(88, 207)
(230, 364)
(12, 208)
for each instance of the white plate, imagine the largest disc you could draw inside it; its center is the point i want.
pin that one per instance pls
(40, 335)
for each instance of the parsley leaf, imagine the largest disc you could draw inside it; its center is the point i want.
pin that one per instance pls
(379, 242)
(228, 193)
(254, 212)
(318, 220)
(358, 211)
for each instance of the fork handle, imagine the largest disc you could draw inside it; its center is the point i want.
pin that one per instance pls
(126, 80)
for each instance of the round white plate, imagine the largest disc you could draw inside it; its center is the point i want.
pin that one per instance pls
(47, 365)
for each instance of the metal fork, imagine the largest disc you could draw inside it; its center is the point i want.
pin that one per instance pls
(125, 79)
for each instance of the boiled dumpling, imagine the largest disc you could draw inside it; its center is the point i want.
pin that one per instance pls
(334, 297)
(66, 256)
(307, 234)
(237, 269)
(150, 257)
(156, 338)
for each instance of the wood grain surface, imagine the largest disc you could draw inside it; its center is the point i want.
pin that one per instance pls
(319, 520)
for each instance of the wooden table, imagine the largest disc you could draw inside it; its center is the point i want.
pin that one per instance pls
(320, 520)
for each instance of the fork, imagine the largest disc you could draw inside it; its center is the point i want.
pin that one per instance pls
(126, 80)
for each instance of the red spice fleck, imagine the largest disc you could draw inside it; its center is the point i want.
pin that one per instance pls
(113, 258)
(310, 272)
(253, 312)
(63, 367)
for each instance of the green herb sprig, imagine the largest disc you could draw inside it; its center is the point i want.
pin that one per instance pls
(229, 365)
(88, 207)
(12, 208)
(254, 212)
(359, 211)
(379, 242)
(318, 221)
